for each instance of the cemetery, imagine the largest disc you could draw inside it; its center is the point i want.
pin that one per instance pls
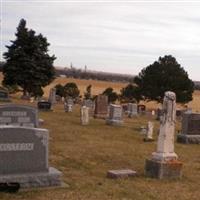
(89, 157)
(126, 137)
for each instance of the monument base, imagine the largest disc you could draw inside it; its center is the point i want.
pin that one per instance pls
(163, 169)
(114, 122)
(30, 180)
(188, 139)
(100, 116)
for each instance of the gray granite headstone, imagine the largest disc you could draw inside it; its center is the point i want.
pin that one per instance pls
(20, 115)
(89, 104)
(132, 110)
(23, 150)
(115, 115)
(190, 132)
(24, 157)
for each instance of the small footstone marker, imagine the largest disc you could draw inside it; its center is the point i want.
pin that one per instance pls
(121, 173)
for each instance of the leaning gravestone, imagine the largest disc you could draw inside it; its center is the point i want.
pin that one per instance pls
(19, 115)
(190, 129)
(164, 162)
(101, 107)
(44, 106)
(52, 96)
(24, 157)
(4, 96)
(115, 115)
(132, 110)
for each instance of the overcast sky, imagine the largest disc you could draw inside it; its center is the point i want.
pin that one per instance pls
(110, 36)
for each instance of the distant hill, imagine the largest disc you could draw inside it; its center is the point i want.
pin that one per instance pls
(94, 75)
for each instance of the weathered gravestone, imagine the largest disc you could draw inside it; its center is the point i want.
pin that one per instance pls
(90, 104)
(68, 105)
(132, 109)
(44, 106)
(85, 115)
(115, 115)
(19, 115)
(4, 96)
(101, 107)
(190, 133)
(24, 157)
(149, 132)
(164, 162)
(52, 96)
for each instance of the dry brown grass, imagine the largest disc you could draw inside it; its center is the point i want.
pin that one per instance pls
(85, 153)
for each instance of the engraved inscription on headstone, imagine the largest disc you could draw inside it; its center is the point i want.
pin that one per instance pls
(24, 157)
(23, 150)
(13, 114)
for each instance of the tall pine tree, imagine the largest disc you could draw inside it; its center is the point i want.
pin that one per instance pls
(28, 64)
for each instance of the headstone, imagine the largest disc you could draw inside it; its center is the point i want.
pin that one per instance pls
(122, 173)
(101, 107)
(4, 96)
(159, 113)
(190, 133)
(149, 132)
(18, 115)
(24, 157)
(58, 98)
(44, 106)
(90, 104)
(115, 115)
(132, 110)
(143, 130)
(141, 109)
(68, 105)
(164, 162)
(52, 96)
(84, 115)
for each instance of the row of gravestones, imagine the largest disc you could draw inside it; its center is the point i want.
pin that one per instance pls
(24, 149)
(24, 146)
(190, 121)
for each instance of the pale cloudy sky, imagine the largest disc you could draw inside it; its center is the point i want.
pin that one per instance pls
(111, 36)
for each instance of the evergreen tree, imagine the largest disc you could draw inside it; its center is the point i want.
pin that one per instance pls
(163, 75)
(112, 96)
(88, 93)
(71, 90)
(28, 64)
(130, 93)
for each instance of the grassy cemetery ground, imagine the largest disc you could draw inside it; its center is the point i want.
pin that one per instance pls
(85, 153)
